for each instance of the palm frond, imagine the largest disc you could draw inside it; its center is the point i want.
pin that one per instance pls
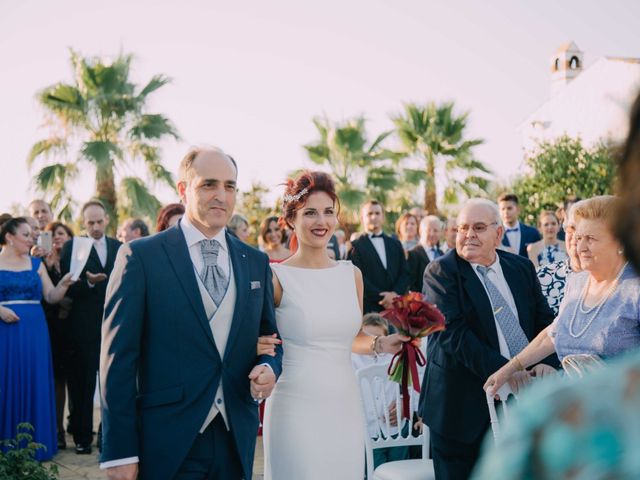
(136, 200)
(152, 126)
(156, 82)
(46, 148)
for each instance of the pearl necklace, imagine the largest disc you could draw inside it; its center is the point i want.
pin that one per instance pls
(597, 307)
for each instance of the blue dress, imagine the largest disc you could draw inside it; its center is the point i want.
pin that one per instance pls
(26, 377)
(607, 331)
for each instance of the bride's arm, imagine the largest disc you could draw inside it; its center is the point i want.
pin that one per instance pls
(366, 344)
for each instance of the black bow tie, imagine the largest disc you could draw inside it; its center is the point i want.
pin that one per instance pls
(374, 235)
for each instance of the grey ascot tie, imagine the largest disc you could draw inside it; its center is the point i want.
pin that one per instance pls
(511, 329)
(212, 276)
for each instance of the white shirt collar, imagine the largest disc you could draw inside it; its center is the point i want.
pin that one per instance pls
(193, 236)
(517, 225)
(100, 241)
(495, 266)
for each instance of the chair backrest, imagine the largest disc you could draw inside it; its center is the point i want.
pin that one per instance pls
(503, 394)
(376, 396)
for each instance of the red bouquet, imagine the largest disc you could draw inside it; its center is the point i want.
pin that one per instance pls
(414, 318)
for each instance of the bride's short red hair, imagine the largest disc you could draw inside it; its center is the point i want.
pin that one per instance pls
(294, 198)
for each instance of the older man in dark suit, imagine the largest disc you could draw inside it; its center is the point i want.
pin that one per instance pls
(493, 305)
(381, 260)
(426, 251)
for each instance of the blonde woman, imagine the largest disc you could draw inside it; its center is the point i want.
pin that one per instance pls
(550, 249)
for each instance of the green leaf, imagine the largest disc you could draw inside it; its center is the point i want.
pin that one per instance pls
(156, 82)
(136, 200)
(47, 147)
(152, 127)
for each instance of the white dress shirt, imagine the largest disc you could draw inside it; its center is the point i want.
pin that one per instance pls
(496, 275)
(514, 237)
(378, 244)
(101, 247)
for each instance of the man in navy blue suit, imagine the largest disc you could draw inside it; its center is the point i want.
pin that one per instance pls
(179, 372)
(493, 305)
(516, 235)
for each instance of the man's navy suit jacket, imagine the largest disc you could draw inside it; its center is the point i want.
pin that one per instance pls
(160, 367)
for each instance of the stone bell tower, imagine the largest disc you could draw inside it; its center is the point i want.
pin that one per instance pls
(566, 64)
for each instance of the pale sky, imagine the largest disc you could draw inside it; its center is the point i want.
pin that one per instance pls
(250, 75)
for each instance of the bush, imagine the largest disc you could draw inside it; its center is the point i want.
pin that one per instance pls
(17, 458)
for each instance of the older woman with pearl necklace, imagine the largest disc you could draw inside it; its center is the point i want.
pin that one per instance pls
(599, 316)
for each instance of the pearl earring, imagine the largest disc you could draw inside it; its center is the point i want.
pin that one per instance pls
(620, 251)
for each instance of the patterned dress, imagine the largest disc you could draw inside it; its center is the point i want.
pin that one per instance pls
(553, 279)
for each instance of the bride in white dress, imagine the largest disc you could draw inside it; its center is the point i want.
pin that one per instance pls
(313, 426)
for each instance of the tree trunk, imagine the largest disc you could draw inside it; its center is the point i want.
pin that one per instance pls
(430, 201)
(106, 193)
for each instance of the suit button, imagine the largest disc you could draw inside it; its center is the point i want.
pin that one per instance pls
(219, 401)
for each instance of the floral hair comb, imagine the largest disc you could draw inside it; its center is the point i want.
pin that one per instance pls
(296, 197)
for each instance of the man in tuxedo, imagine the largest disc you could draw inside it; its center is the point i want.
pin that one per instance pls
(179, 375)
(85, 319)
(381, 260)
(427, 250)
(516, 235)
(493, 305)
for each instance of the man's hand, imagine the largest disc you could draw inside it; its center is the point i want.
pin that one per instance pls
(519, 380)
(123, 472)
(387, 299)
(94, 278)
(262, 380)
(541, 371)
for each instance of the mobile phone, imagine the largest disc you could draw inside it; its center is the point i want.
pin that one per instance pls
(45, 241)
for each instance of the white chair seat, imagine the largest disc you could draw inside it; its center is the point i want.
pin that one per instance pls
(405, 470)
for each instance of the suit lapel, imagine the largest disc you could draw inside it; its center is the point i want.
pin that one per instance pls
(178, 253)
(476, 292)
(373, 253)
(241, 275)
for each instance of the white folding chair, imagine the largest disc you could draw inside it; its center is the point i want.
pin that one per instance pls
(371, 380)
(503, 394)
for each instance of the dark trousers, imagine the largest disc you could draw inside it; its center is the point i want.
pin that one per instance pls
(213, 456)
(82, 386)
(453, 460)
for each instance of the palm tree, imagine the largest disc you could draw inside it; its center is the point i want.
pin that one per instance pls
(100, 120)
(435, 134)
(359, 169)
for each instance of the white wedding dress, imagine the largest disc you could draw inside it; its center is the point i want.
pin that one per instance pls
(313, 424)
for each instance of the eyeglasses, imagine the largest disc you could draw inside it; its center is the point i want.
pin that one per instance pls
(476, 227)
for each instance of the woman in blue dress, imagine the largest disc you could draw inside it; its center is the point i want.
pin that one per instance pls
(599, 317)
(550, 249)
(26, 379)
